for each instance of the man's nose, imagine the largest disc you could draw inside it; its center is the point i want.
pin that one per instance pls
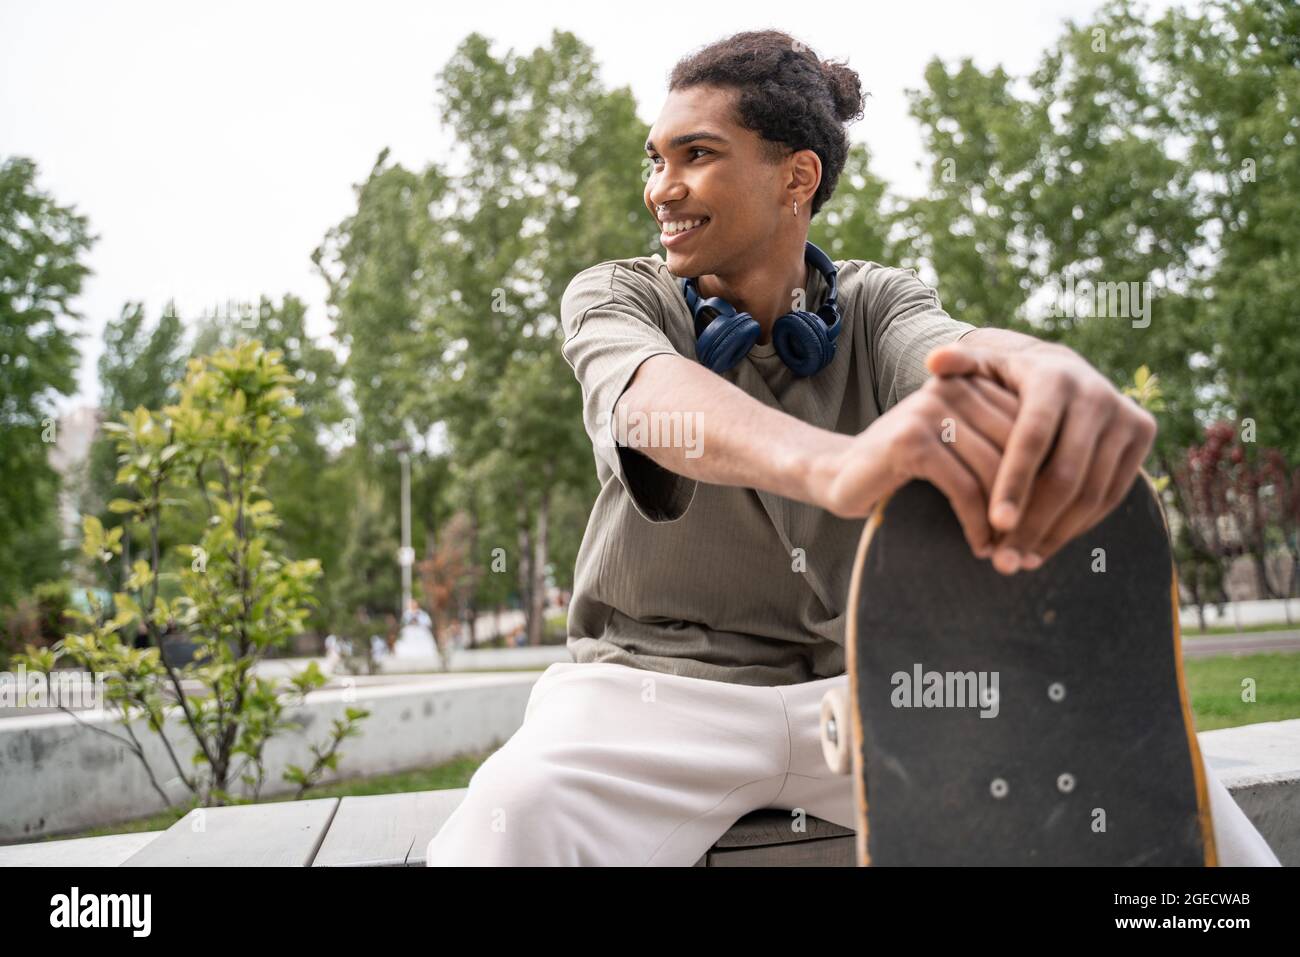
(663, 191)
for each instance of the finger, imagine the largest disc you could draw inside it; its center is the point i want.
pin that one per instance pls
(980, 456)
(956, 358)
(1092, 505)
(1134, 455)
(959, 358)
(1143, 432)
(999, 395)
(1031, 438)
(1063, 478)
(975, 408)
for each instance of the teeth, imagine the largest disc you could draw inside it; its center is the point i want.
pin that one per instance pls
(671, 229)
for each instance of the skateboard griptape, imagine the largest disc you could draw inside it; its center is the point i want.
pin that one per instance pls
(1088, 755)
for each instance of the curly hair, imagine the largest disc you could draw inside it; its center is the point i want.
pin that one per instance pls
(789, 97)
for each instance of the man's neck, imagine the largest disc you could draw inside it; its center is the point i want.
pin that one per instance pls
(763, 292)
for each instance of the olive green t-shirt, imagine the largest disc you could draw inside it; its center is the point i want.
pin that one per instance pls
(713, 581)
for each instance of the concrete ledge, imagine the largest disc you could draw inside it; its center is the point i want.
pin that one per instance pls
(1259, 764)
(1242, 614)
(481, 659)
(59, 776)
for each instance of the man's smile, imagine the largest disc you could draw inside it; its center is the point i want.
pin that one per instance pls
(675, 231)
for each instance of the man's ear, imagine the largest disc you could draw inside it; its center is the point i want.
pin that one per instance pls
(805, 175)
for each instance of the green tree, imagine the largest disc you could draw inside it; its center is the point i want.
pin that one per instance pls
(1118, 160)
(141, 365)
(308, 483)
(42, 247)
(546, 196)
(239, 598)
(859, 219)
(367, 587)
(1233, 89)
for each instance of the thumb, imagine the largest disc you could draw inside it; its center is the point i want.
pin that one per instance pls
(958, 358)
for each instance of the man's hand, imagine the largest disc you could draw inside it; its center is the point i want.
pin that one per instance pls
(951, 432)
(1072, 454)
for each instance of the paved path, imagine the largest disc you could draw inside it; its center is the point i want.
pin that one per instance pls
(1250, 643)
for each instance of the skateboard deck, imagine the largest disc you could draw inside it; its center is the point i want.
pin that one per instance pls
(1040, 718)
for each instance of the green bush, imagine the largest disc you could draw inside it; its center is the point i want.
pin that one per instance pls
(237, 600)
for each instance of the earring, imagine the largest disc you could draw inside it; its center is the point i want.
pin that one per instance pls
(796, 206)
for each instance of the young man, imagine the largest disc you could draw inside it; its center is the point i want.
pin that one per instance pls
(708, 612)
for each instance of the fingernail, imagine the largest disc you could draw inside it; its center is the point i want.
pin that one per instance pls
(1010, 561)
(1004, 514)
(1032, 561)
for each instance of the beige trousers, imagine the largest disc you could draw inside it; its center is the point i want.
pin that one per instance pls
(622, 766)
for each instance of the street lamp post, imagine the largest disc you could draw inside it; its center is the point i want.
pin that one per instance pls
(406, 554)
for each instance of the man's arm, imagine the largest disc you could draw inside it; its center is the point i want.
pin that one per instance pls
(950, 431)
(742, 441)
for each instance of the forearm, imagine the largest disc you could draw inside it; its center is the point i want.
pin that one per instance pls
(736, 440)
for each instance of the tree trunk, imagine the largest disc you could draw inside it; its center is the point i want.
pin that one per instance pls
(525, 559)
(469, 612)
(537, 618)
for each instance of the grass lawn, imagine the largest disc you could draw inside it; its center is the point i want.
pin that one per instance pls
(1215, 686)
(1244, 629)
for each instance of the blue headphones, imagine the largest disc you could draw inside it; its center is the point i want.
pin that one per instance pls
(805, 341)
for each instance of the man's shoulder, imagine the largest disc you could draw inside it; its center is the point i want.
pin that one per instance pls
(630, 278)
(872, 289)
(640, 281)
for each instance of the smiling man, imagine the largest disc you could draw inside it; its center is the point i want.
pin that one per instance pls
(708, 614)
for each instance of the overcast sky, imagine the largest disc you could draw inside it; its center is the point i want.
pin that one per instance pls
(212, 146)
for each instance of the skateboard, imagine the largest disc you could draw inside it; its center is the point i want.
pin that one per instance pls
(1040, 718)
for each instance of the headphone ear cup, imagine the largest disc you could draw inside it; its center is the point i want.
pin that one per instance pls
(727, 340)
(802, 343)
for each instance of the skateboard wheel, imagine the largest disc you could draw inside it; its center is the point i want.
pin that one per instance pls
(835, 731)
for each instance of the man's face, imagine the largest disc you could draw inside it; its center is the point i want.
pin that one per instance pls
(707, 167)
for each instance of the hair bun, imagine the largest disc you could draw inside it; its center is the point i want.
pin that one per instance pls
(846, 89)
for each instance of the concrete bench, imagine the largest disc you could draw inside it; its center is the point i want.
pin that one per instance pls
(1259, 764)
(393, 830)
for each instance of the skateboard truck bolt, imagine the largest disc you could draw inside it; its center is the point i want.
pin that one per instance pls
(998, 788)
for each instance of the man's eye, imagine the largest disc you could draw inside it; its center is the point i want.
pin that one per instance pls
(656, 159)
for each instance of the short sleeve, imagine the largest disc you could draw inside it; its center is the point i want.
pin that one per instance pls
(905, 320)
(609, 330)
